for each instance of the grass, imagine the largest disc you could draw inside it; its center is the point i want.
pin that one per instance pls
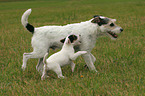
(120, 63)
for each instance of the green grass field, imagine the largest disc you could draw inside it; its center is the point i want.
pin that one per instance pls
(121, 63)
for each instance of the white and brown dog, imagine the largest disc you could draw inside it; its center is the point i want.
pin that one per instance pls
(47, 37)
(64, 57)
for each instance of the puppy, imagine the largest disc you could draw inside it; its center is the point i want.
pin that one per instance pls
(65, 56)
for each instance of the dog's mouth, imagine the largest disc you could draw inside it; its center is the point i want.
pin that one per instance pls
(113, 34)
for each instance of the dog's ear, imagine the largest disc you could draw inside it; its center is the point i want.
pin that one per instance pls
(113, 20)
(100, 21)
(62, 40)
(96, 19)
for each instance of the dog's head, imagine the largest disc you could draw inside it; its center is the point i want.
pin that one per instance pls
(107, 26)
(71, 39)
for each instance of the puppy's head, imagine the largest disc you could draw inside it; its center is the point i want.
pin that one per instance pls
(71, 39)
(107, 26)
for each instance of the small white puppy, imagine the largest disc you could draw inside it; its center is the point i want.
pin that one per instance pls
(64, 57)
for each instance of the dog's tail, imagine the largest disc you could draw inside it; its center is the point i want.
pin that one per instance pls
(24, 21)
(44, 59)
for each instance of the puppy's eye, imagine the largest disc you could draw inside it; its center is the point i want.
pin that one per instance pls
(111, 24)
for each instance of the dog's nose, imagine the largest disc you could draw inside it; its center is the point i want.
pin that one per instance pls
(121, 29)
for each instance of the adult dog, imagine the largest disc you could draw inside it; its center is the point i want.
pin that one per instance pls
(47, 37)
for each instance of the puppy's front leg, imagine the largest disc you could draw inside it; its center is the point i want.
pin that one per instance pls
(75, 55)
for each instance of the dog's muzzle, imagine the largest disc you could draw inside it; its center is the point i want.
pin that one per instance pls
(121, 30)
(113, 34)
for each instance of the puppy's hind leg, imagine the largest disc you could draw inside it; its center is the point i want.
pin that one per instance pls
(58, 71)
(72, 66)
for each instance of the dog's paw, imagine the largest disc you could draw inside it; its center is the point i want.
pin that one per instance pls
(23, 68)
(42, 78)
(61, 77)
(86, 67)
(94, 71)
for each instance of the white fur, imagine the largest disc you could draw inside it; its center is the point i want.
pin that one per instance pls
(24, 18)
(47, 37)
(65, 56)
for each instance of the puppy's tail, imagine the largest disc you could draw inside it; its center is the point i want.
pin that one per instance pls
(44, 59)
(24, 21)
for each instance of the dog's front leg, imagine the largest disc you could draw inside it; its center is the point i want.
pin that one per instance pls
(88, 59)
(74, 56)
(93, 57)
(44, 72)
(40, 64)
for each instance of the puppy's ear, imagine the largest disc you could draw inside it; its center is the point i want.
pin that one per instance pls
(62, 40)
(72, 38)
(69, 42)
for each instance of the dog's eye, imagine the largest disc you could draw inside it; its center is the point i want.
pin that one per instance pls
(111, 24)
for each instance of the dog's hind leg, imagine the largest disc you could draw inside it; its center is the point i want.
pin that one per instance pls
(34, 54)
(88, 59)
(40, 64)
(25, 59)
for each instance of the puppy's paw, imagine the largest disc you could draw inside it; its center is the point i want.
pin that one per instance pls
(83, 52)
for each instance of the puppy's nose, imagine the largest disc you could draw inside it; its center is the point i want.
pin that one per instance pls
(121, 29)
